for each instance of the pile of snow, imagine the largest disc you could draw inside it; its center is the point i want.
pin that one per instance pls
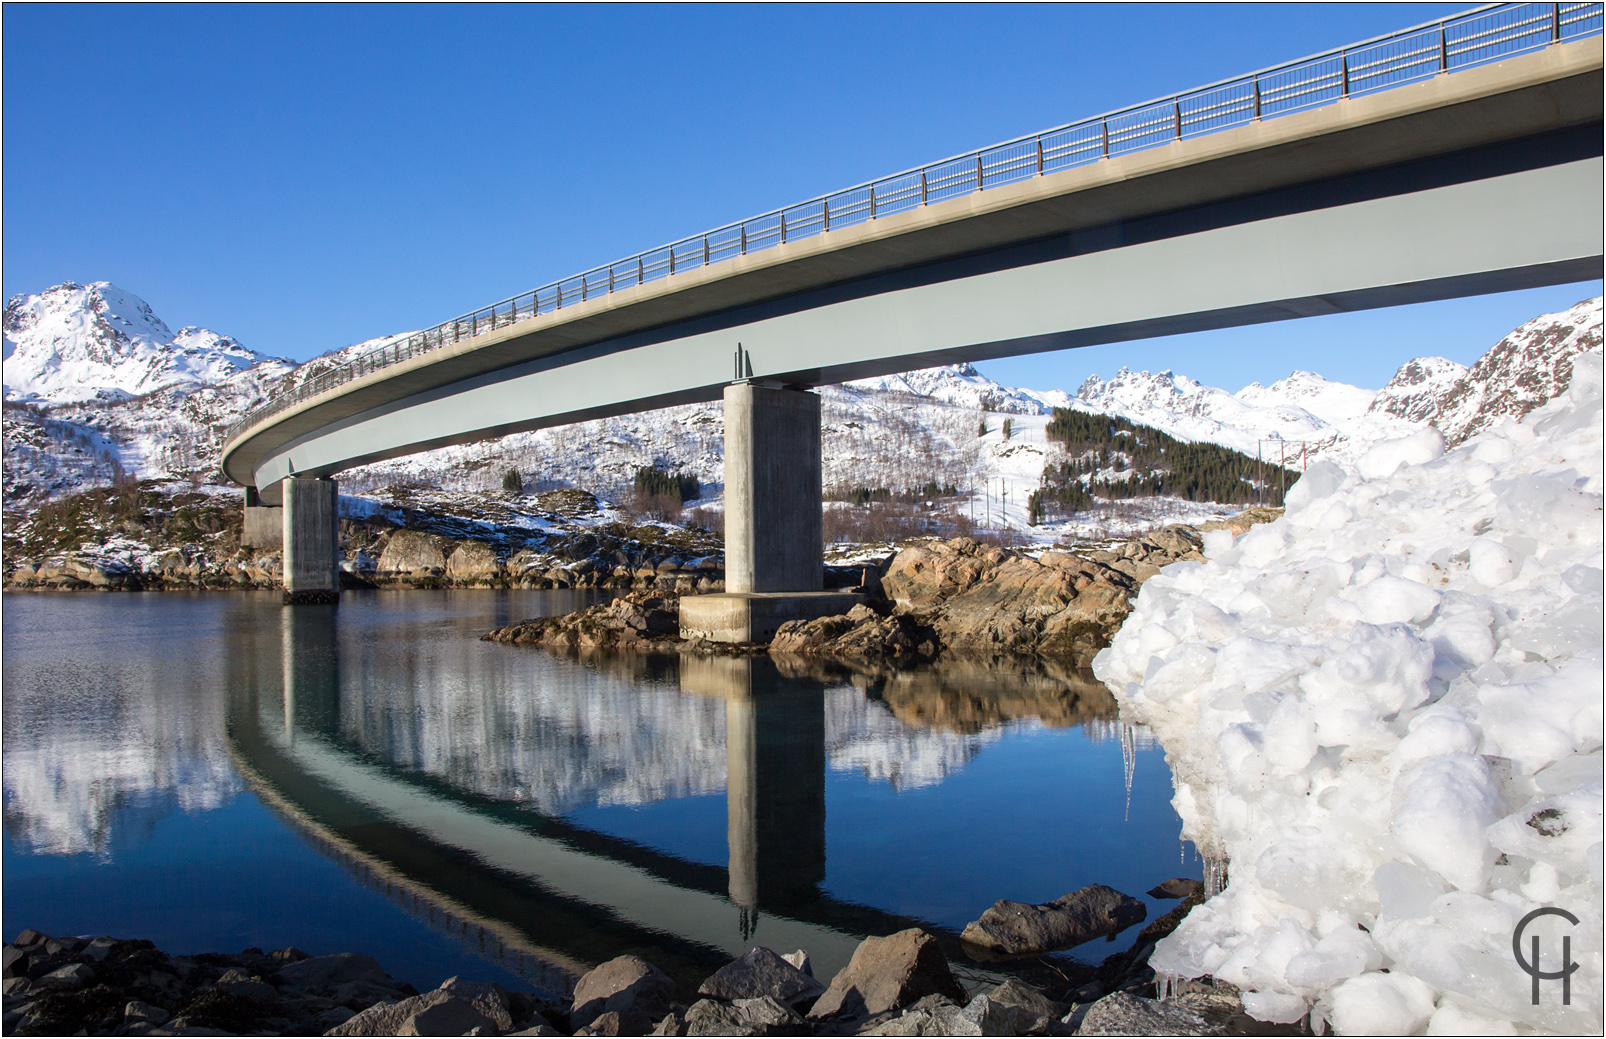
(97, 342)
(1385, 711)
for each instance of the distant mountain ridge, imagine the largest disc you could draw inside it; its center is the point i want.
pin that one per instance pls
(93, 376)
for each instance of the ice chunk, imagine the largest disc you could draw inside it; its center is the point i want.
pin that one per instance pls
(1406, 891)
(1451, 1018)
(1393, 600)
(1385, 458)
(1319, 481)
(1279, 1007)
(1449, 803)
(1382, 1004)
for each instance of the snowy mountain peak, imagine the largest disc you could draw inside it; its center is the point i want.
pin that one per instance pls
(961, 385)
(1333, 402)
(85, 342)
(1418, 390)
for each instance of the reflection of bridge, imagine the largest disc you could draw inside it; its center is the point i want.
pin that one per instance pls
(1460, 158)
(565, 896)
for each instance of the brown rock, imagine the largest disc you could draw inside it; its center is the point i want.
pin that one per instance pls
(760, 972)
(456, 1008)
(626, 985)
(1177, 887)
(861, 634)
(409, 551)
(886, 974)
(1020, 928)
(473, 561)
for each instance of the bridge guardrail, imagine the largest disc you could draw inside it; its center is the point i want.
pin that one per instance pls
(1461, 41)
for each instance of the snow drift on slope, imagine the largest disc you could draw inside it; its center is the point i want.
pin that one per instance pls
(1385, 711)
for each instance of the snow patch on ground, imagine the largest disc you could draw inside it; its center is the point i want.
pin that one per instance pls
(1385, 711)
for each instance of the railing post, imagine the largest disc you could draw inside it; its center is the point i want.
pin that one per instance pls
(706, 253)
(1444, 50)
(1104, 133)
(1039, 156)
(978, 171)
(641, 270)
(610, 278)
(922, 187)
(1555, 23)
(1257, 97)
(584, 288)
(872, 201)
(825, 215)
(783, 227)
(671, 259)
(1343, 68)
(744, 240)
(1176, 108)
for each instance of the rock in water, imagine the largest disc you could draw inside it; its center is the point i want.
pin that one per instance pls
(888, 973)
(627, 985)
(1019, 929)
(761, 972)
(1177, 887)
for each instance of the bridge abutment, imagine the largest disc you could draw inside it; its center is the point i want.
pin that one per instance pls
(311, 540)
(774, 555)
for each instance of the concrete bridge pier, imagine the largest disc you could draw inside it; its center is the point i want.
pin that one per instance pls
(311, 540)
(774, 556)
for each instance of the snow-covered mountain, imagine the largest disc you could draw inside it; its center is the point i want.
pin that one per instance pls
(97, 384)
(97, 342)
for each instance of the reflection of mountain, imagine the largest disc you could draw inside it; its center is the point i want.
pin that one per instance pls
(555, 739)
(97, 751)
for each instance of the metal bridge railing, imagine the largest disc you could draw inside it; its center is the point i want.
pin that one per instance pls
(1462, 41)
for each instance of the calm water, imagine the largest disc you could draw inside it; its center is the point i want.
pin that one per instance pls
(213, 771)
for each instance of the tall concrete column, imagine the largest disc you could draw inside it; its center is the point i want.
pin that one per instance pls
(772, 490)
(311, 540)
(774, 555)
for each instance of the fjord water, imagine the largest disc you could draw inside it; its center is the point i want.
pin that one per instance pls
(214, 771)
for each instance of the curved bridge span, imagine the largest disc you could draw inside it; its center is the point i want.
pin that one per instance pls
(1414, 175)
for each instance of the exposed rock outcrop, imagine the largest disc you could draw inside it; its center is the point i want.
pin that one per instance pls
(1021, 929)
(637, 620)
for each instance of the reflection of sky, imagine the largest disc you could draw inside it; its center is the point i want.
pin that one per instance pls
(123, 815)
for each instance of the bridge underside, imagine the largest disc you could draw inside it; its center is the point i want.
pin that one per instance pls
(1360, 244)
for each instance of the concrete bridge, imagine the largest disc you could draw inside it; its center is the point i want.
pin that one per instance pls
(1452, 159)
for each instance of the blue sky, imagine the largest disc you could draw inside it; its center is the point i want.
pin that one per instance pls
(306, 177)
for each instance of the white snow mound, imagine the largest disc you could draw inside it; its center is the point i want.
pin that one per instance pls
(1385, 711)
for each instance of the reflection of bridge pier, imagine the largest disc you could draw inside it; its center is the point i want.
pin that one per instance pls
(775, 778)
(311, 661)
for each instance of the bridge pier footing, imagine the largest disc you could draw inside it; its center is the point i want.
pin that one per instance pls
(311, 540)
(774, 557)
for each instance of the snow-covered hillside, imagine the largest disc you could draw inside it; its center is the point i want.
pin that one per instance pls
(1384, 711)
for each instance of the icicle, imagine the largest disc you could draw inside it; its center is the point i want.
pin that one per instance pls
(1129, 761)
(1215, 875)
(1168, 986)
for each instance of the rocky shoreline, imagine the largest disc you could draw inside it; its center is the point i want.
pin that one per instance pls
(958, 597)
(894, 985)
